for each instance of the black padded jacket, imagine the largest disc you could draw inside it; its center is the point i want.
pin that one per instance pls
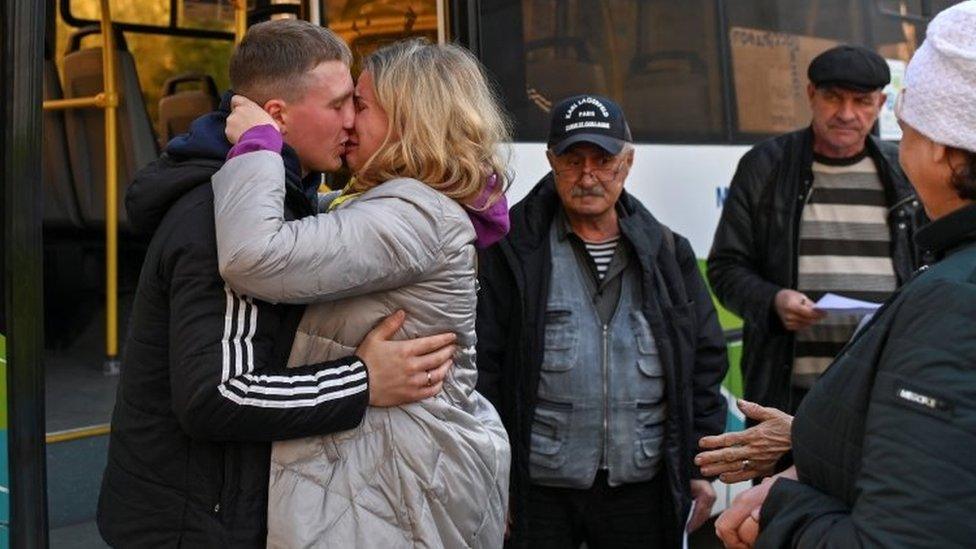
(203, 388)
(884, 443)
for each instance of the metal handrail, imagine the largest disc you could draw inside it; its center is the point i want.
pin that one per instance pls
(109, 101)
(240, 20)
(79, 433)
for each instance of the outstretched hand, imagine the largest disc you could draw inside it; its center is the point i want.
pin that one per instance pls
(748, 454)
(401, 372)
(244, 115)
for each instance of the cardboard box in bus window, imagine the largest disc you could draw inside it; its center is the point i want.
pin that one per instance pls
(770, 75)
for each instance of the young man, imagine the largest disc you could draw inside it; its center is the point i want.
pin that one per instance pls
(203, 388)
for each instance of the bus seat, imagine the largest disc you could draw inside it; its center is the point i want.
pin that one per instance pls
(665, 92)
(561, 66)
(86, 127)
(177, 109)
(61, 209)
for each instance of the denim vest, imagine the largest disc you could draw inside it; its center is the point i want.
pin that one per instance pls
(601, 388)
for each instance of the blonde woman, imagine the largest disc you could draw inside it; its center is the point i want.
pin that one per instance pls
(425, 152)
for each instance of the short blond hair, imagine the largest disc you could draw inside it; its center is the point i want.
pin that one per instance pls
(450, 128)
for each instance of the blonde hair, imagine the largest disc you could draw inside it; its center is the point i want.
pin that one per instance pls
(446, 127)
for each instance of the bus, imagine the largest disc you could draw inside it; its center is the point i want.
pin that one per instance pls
(700, 82)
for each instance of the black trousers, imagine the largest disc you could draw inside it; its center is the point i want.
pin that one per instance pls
(631, 515)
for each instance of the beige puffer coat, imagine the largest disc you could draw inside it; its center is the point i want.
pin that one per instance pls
(429, 474)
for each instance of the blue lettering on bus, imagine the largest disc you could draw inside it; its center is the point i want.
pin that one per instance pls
(721, 193)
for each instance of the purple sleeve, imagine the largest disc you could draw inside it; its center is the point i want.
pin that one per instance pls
(265, 137)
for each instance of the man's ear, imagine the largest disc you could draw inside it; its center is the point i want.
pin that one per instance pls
(278, 110)
(939, 152)
(552, 159)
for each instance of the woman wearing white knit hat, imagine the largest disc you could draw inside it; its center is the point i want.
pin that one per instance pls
(884, 445)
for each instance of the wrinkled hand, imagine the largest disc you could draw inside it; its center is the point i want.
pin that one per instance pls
(762, 445)
(749, 529)
(704, 496)
(738, 526)
(732, 526)
(401, 372)
(796, 310)
(244, 115)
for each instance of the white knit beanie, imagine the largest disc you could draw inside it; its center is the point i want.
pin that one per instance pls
(940, 82)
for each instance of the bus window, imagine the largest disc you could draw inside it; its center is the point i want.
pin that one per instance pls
(659, 59)
(159, 57)
(206, 14)
(771, 43)
(125, 11)
(371, 24)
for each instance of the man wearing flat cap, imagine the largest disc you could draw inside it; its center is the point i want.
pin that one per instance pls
(825, 209)
(600, 348)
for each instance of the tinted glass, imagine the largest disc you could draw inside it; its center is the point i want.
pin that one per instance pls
(658, 59)
(771, 43)
(370, 24)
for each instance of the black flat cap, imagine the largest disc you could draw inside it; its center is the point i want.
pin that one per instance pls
(851, 67)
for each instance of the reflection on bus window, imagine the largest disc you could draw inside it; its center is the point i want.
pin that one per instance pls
(657, 58)
(370, 24)
(157, 57)
(143, 12)
(771, 43)
(206, 14)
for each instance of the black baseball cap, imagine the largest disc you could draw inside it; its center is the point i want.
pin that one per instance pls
(851, 67)
(588, 119)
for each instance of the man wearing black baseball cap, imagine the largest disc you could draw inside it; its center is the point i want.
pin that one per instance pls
(825, 209)
(599, 345)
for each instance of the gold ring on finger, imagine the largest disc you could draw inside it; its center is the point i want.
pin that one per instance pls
(429, 380)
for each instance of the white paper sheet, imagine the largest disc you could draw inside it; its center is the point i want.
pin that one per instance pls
(691, 512)
(836, 304)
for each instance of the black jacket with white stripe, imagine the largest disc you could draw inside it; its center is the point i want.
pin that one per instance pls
(204, 389)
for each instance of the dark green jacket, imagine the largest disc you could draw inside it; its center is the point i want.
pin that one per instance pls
(885, 442)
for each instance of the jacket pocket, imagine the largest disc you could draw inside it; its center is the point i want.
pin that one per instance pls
(647, 452)
(548, 432)
(648, 359)
(561, 338)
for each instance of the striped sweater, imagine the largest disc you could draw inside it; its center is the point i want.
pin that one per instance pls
(844, 248)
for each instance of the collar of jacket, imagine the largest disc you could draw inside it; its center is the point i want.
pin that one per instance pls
(885, 156)
(533, 216)
(950, 232)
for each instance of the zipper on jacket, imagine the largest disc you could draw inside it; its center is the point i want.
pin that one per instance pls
(805, 193)
(606, 396)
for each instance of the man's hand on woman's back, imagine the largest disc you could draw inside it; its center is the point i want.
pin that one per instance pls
(405, 371)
